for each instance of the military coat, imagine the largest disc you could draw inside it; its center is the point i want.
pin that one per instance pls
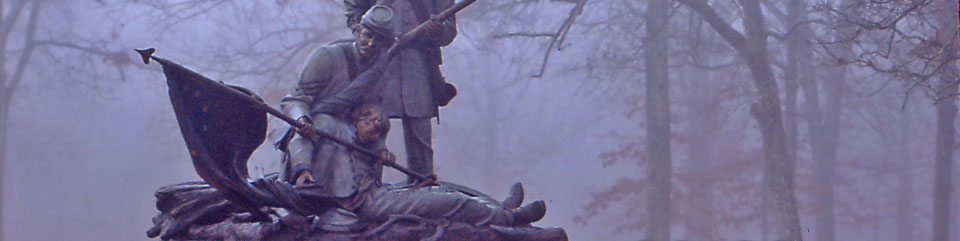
(328, 72)
(408, 82)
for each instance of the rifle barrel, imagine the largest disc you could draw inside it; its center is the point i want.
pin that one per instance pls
(416, 32)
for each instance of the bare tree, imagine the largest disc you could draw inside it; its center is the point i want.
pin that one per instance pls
(904, 191)
(915, 42)
(556, 37)
(656, 59)
(823, 117)
(946, 117)
(25, 35)
(752, 48)
(704, 94)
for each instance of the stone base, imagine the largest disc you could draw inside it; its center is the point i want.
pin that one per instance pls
(397, 229)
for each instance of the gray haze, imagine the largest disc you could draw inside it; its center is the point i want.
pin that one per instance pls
(553, 94)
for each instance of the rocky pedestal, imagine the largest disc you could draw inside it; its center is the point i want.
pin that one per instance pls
(396, 229)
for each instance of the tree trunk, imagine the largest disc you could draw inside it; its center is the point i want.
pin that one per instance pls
(791, 74)
(764, 208)
(946, 115)
(799, 70)
(10, 83)
(822, 123)
(780, 167)
(824, 143)
(955, 199)
(752, 47)
(905, 206)
(701, 149)
(904, 192)
(658, 119)
(823, 119)
(4, 118)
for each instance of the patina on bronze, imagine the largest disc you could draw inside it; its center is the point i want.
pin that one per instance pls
(222, 125)
(180, 78)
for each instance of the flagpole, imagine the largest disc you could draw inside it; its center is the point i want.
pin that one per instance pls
(257, 104)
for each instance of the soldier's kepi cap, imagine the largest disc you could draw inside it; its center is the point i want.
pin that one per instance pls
(378, 19)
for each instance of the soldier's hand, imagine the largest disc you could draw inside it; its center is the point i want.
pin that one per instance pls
(305, 177)
(306, 128)
(387, 156)
(431, 180)
(433, 27)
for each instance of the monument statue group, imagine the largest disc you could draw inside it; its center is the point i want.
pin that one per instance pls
(329, 184)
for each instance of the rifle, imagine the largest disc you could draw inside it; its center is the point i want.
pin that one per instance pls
(400, 42)
(339, 101)
(418, 31)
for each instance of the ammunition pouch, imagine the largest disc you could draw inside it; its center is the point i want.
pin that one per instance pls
(443, 91)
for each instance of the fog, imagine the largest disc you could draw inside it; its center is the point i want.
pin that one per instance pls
(784, 119)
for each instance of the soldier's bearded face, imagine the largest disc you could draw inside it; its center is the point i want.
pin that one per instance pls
(369, 42)
(368, 129)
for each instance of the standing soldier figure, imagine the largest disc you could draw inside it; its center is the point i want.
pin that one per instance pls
(413, 86)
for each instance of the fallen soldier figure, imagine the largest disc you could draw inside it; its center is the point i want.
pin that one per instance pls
(329, 186)
(370, 208)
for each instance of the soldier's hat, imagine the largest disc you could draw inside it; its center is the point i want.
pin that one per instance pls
(378, 19)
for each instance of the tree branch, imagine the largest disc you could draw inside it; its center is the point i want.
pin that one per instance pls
(735, 38)
(507, 35)
(556, 37)
(27, 52)
(705, 66)
(7, 25)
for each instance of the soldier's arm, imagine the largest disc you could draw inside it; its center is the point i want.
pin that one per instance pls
(448, 27)
(314, 78)
(355, 10)
(356, 92)
(380, 147)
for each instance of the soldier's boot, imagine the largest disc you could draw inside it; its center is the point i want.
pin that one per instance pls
(515, 198)
(337, 220)
(529, 213)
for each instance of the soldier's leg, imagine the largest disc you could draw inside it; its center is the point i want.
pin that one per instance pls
(417, 138)
(434, 202)
(300, 156)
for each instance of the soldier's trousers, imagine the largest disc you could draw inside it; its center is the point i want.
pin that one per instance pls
(299, 158)
(433, 202)
(417, 140)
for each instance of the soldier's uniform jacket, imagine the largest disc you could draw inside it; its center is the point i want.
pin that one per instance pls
(339, 170)
(327, 73)
(408, 82)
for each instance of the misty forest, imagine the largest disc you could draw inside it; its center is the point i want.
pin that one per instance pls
(634, 120)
